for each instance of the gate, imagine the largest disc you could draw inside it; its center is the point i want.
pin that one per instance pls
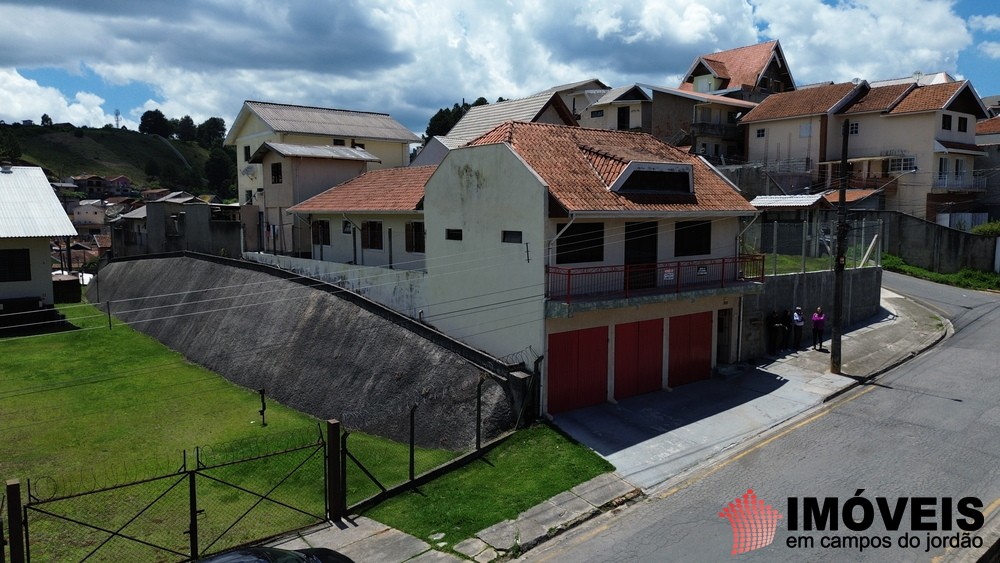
(222, 498)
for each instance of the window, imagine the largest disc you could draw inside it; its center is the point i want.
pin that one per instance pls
(597, 113)
(246, 153)
(580, 242)
(963, 124)
(371, 235)
(732, 116)
(942, 167)
(946, 122)
(338, 143)
(692, 238)
(346, 227)
(511, 236)
(760, 133)
(321, 232)
(358, 146)
(453, 234)
(249, 196)
(805, 130)
(854, 128)
(902, 164)
(15, 265)
(959, 168)
(276, 173)
(415, 236)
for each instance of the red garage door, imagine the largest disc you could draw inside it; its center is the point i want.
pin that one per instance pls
(578, 369)
(638, 358)
(690, 348)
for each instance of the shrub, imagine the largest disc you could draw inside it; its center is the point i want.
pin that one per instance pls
(991, 229)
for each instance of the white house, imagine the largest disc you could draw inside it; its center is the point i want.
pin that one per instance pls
(30, 215)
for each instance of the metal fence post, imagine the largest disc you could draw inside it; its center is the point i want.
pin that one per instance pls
(479, 412)
(336, 496)
(413, 411)
(805, 230)
(193, 512)
(14, 521)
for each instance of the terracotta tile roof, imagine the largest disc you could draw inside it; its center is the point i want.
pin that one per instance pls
(988, 126)
(387, 189)
(850, 195)
(929, 98)
(806, 101)
(882, 98)
(579, 165)
(742, 66)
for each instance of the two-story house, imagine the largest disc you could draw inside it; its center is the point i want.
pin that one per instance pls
(608, 256)
(750, 73)
(915, 142)
(626, 108)
(377, 134)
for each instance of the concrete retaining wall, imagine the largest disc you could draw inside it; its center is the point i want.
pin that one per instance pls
(862, 288)
(317, 349)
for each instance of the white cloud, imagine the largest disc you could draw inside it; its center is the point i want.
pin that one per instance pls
(990, 48)
(26, 99)
(985, 23)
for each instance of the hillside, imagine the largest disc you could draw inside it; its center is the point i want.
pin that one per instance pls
(64, 151)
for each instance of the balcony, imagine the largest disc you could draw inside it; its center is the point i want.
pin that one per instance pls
(958, 183)
(729, 132)
(574, 285)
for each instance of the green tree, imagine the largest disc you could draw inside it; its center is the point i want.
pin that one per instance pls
(46, 120)
(152, 169)
(10, 149)
(212, 132)
(220, 170)
(154, 122)
(446, 118)
(186, 129)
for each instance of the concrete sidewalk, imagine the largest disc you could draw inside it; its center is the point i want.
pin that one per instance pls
(653, 437)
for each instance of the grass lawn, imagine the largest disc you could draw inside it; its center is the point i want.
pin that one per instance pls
(972, 279)
(531, 466)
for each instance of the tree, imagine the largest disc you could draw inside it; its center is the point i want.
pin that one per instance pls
(186, 129)
(154, 122)
(212, 132)
(220, 169)
(446, 118)
(46, 120)
(10, 149)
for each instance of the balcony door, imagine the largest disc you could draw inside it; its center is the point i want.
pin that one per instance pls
(640, 255)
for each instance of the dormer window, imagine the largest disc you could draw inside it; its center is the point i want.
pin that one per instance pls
(655, 178)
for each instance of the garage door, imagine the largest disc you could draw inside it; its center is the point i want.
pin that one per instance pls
(690, 348)
(578, 369)
(638, 358)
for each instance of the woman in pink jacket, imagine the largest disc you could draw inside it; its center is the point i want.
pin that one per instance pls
(819, 324)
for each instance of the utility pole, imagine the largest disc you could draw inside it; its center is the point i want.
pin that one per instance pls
(838, 268)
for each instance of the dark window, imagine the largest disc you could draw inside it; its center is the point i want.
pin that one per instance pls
(371, 235)
(246, 153)
(963, 124)
(338, 142)
(854, 128)
(732, 116)
(358, 146)
(760, 133)
(597, 113)
(346, 227)
(276, 173)
(511, 236)
(658, 181)
(321, 232)
(692, 238)
(249, 194)
(453, 234)
(946, 122)
(415, 236)
(15, 265)
(581, 242)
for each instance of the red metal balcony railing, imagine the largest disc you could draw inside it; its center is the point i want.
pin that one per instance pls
(631, 280)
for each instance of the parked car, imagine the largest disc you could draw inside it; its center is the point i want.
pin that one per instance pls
(275, 555)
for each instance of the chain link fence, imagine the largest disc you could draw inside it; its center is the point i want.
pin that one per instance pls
(811, 246)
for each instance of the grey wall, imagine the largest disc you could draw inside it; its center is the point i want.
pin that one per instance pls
(862, 288)
(316, 349)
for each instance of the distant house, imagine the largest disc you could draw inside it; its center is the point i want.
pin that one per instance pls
(915, 142)
(91, 184)
(89, 217)
(627, 108)
(749, 73)
(30, 215)
(119, 185)
(547, 107)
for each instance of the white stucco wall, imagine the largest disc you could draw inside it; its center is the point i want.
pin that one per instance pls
(40, 284)
(346, 247)
(786, 140)
(485, 292)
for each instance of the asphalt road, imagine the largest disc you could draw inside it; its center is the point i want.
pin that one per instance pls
(930, 428)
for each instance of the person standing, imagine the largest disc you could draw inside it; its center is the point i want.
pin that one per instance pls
(818, 326)
(786, 330)
(798, 321)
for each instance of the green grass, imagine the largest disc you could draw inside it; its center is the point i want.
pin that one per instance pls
(971, 279)
(789, 264)
(531, 466)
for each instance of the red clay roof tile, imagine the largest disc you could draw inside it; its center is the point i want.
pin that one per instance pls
(387, 189)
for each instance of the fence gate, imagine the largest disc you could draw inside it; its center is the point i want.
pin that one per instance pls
(224, 497)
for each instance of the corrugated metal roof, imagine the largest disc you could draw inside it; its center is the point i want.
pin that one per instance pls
(29, 207)
(334, 122)
(481, 119)
(801, 200)
(314, 151)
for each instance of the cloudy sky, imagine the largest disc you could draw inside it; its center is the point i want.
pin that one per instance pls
(79, 61)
